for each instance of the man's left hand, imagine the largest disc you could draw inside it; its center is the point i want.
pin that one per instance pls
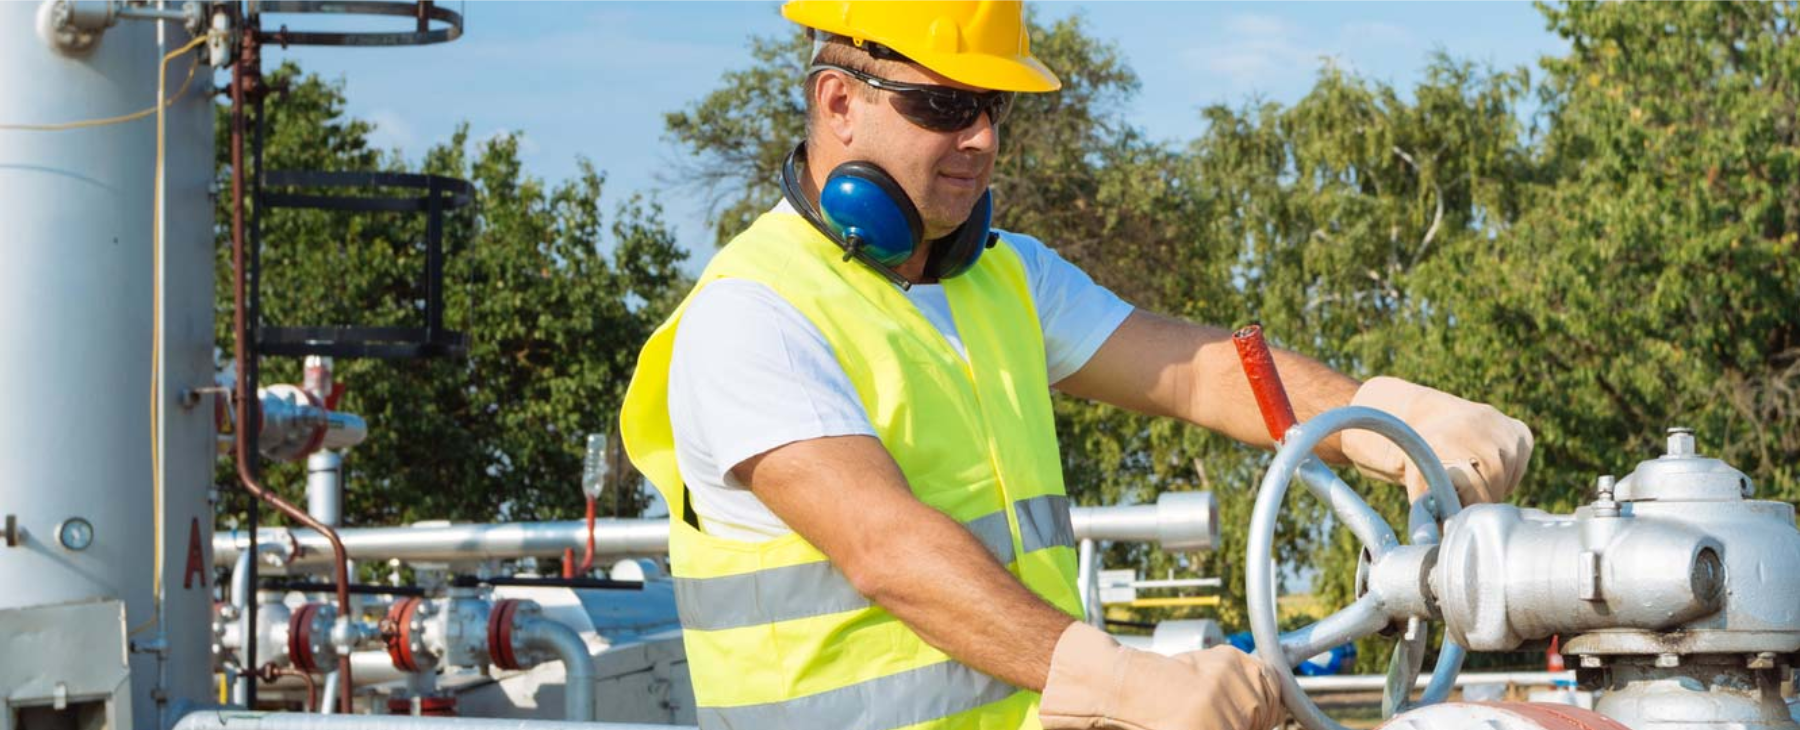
(1484, 450)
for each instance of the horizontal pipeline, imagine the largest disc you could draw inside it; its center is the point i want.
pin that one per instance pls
(1366, 682)
(1178, 521)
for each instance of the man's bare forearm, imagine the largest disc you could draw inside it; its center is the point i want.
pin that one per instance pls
(847, 497)
(1166, 367)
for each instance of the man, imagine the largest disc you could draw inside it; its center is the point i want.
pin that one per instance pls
(868, 523)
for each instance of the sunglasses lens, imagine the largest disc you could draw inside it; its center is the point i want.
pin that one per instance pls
(950, 110)
(1000, 106)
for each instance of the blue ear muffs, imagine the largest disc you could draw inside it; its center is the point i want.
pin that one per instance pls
(864, 211)
(870, 213)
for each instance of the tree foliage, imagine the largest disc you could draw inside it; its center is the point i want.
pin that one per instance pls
(555, 299)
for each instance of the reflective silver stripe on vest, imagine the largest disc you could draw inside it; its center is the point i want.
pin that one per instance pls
(995, 535)
(906, 698)
(817, 589)
(765, 596)
(1044, 522)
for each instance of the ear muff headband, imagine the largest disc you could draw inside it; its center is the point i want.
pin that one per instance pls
(955, 254)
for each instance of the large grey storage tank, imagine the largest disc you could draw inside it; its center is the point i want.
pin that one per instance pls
(76, 272)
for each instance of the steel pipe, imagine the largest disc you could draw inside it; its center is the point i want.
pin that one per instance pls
(544, 635)
(233, 720)
(450, 543)
(1367, 682)
(370, 667)
(325, 486)
(1178, 521)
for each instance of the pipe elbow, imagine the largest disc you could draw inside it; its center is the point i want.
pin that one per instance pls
(543, 635)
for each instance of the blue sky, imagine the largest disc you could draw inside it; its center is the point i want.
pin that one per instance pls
(595, 78)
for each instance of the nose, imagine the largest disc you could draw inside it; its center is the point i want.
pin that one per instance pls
(982, 136)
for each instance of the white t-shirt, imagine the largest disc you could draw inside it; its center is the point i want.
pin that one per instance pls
(749, 373)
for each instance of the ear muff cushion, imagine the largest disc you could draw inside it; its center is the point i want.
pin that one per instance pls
(957, 253)
(860, 200)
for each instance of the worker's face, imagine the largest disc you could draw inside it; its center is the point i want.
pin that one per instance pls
(945, 173)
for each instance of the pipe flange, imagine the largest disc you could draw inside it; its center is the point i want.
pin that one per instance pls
(309, 636)
(500, 634)
(403, 631)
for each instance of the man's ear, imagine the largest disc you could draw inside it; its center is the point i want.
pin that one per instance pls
(831, 97)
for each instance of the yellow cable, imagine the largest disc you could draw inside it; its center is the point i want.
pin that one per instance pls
(121, 119)
(156, 263)
(1173, 602)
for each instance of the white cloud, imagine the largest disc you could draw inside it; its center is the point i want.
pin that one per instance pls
(392, 131)
(1254, 27)
(1248, 50)
(613, 37)
(1376, 33)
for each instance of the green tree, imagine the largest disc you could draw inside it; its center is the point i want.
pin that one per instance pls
(1654, 276)
(555, 300)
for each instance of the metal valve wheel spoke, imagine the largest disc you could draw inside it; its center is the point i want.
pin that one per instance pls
(1396, 592)
(1349, 623)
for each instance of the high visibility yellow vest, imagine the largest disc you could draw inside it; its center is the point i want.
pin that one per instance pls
(776, 636)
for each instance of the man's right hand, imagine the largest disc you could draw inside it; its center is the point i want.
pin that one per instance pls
(1095, 684)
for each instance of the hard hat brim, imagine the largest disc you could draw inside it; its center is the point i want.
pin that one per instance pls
(998, 73)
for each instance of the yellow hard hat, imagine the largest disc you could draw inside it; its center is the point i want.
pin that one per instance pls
(977, 42)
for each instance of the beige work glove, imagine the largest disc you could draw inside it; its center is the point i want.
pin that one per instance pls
(1484, 450)
(1095, 684)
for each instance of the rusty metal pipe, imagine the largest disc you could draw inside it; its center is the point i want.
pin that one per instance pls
(270, 672)
(248, 70)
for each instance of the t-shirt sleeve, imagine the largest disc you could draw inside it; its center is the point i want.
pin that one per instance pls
(1077, 314)
(749, 373)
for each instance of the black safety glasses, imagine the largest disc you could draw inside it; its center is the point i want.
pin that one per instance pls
(937, 108)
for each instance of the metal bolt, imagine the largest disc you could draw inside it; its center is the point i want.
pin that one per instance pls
(1681, 441)
(1666, 661)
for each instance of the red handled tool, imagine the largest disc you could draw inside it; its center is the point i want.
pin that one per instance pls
(1265, 382)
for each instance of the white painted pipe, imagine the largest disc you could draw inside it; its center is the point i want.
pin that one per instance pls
(367, 667)
(1361, 682)
(578, 665)
(451, 543)
(1178, 521)
(237, 720)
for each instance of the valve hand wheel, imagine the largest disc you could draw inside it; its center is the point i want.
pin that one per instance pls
(1393, 583)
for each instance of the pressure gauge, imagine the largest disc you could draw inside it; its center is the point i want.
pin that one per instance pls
(75, 533)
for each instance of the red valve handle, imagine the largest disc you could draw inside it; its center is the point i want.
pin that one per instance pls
(1265, 381)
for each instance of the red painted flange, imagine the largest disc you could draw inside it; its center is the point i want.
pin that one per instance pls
(300, 638)
(398, 633)
(500, 626)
